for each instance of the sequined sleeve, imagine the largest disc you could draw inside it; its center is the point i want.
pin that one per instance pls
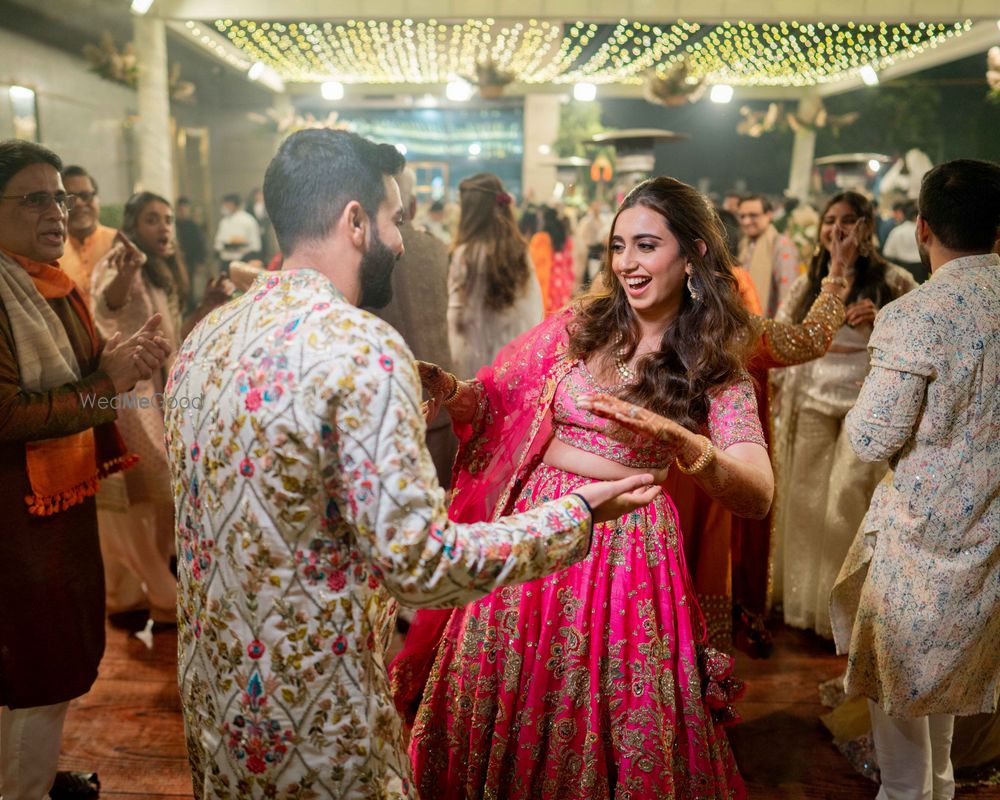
(786, 343)
(888, 407)
(733, 416)
(886, 413)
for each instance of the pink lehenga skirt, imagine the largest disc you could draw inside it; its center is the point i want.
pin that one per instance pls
(585, 684)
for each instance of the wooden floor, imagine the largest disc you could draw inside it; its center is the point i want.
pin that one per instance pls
(128, 728)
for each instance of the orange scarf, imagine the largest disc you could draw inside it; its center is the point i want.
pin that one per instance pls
(64, 471)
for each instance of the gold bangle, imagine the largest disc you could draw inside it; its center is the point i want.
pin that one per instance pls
(706, 458)
(454, 389)
(834, 280)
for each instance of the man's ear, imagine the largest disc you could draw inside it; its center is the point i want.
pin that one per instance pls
(924, 232)
(355, 223)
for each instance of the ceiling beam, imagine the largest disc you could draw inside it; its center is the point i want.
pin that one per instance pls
(587, 10)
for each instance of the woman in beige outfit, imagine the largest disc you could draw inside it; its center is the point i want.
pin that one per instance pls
(140, 277)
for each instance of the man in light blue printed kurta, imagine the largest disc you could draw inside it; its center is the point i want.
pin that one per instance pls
(925, 644)
(307, 502)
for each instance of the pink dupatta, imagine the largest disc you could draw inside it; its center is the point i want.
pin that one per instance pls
(496, 453)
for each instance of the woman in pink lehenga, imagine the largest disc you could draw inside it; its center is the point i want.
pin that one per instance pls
(588, 684)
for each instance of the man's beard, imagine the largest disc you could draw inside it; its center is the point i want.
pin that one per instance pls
(377, 264)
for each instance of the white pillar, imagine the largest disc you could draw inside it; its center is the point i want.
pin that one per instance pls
(803, 149)
(541, 127)
(152, 129)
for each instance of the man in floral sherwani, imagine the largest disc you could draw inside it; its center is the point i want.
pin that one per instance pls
(925, 629)
(307, 502)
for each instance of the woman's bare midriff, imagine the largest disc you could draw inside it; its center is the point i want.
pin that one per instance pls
(572, 459)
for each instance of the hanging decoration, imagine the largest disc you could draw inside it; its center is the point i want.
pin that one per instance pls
(673, 86)
(820, 118)
(122, 66)
(756, 123)
(490, 79)
(776, 117)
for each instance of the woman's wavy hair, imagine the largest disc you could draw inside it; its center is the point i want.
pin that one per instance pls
(706, 346)
(495, 250)
(163, 273)
(869, 269)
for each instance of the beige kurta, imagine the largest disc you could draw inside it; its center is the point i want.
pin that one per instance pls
(926, 635)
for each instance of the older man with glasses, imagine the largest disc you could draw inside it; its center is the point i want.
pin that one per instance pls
(88, 241)
(57, 439)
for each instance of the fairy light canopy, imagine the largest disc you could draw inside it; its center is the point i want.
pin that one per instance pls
(536, 52)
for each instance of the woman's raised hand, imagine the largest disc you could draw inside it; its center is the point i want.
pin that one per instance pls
(635, 418)
(434, 379)
(844, 246)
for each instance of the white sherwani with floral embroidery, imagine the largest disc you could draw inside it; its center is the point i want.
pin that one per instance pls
(306, 505)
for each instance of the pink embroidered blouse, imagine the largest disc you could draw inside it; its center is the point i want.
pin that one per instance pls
(732, 418)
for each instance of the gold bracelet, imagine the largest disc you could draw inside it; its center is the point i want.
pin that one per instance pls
(834, 280)
(454, 390)
(706, 458)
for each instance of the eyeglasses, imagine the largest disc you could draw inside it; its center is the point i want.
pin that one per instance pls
(85, 197)
(40, 201)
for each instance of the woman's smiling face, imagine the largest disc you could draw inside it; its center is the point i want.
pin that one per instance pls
(646, 259)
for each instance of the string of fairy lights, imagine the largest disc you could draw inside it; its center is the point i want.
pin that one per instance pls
(533, 52)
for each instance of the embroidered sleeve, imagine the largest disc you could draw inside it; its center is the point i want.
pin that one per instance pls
(733, 416)
(902, 361)
(787, 343)
(389, 494)
(886, 413)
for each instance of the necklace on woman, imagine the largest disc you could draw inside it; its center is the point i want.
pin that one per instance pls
(623, 369)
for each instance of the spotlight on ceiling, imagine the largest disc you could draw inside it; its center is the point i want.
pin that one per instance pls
(332, 90)
(869, 75)
(874, 165)
(475, 149)
(21, 93)
(264, 74)
(721, 93)
(585, 92)
(458, 91)
(140, 7)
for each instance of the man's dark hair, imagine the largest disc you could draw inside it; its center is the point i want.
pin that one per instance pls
(76, 171)
(16, 154)
(231, 198)
(437, 207)
(960, 201)
(765, 203)
(316, 173)
(183, 201)
(909, 210)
